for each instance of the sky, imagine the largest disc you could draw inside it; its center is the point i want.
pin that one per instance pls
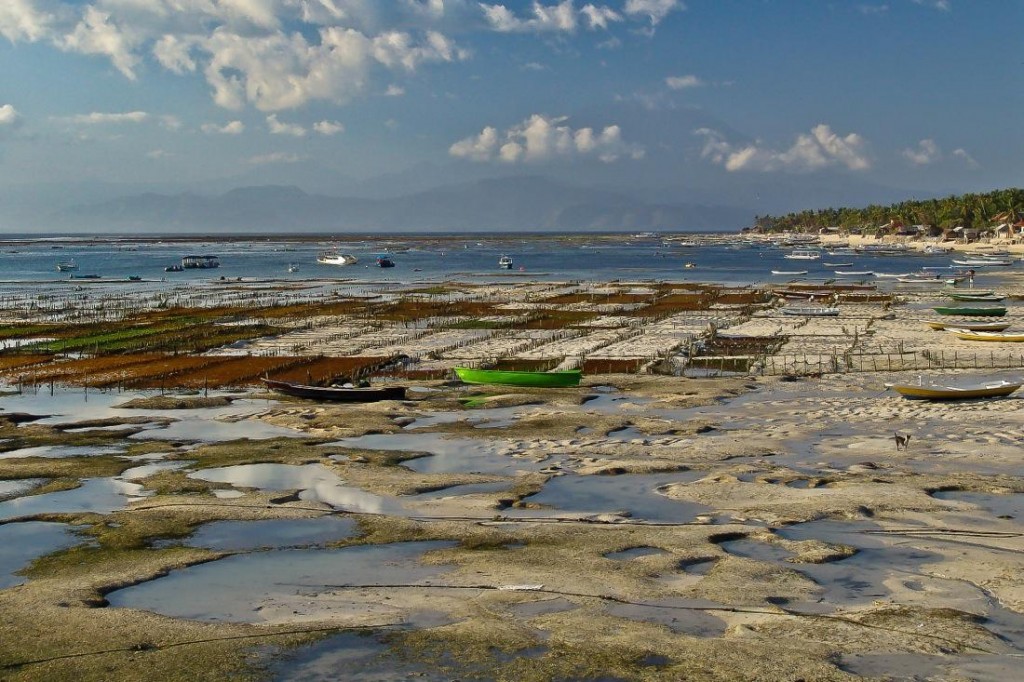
(925, 95)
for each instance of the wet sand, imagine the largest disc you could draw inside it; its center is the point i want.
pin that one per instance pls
(637, 527)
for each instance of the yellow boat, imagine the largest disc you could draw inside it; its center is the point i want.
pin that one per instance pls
(994, 389)
(969, 326)
(968, 335)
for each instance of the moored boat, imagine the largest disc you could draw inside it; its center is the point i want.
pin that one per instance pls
(337, 393)
(335, 257)
(966, 324)
(789, 272)
(803, 254)
(67, 266)
(990, 297)
(995, 311)
(505, 262)
(993, 389)
(559, 379)
(974, 335)
(200, 262)
(385, 262)
(174, 268)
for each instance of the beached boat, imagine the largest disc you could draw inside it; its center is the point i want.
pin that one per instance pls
(891, 275)
(992, 389)
(990, 297)
(995, 311)
(511, 378)
(337, 393)
(966, 324)
(67, 266)
(803, 254)
(810, 311)
(505, 262)
(789, 272)
(973, 335)
(335, 257)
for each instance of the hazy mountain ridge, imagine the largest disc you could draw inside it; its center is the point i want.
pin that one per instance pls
(516, 203)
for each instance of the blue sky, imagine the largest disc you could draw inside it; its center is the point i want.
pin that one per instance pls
(917, 94)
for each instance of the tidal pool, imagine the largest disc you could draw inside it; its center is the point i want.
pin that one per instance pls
(61, 451)
(99, 495)
(252, 588)
(363, 657)
(18, 487)
(1002, 506)
(448, 455)
(272, 533)
(25, 542)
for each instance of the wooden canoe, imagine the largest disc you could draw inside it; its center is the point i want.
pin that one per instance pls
(511, 378)
(970, 326)
(337, 394)
(994, 389)
(988, 298)
(971, 312)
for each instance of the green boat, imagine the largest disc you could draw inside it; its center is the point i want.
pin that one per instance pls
(991, 298)
(972, 312)
(508, 378)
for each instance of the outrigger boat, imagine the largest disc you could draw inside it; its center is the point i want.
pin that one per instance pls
(560, 379)
(969, 335)
(994, 389)
(971, 312)
(337, 393)
(970, 326)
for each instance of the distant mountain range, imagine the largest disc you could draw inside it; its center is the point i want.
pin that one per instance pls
(499, 204)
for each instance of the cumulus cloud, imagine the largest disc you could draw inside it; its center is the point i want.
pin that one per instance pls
(101, 118)
(230, 128)
(653, 10)
(275, 157)
(20, 20)
(683, 82)
(8, 115)
(926, 152)
(96, 34)
(562, 17)
(394, 91)
(541, 138)
(962, 154)
(328, 128)
(819, 149)
(599, 17)
(170, 122)
(276, 127)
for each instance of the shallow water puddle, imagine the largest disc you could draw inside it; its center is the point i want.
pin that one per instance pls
(362, 657)
(25, 542)
(634, 553)
(1002, 506)
(633, 494)
(285, 585)
(314, 480)
(98, 495)
(678, 615)
(19, 487)
(145, 470)
(480, 418)
(448, 455)
(61, 451)
(272, 533)
(992, 668)
(210, 430)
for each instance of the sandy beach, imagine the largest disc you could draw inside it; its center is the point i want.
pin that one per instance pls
(755, 524)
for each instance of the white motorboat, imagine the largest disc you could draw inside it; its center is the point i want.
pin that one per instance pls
(334, 257)
(292, 267)
(789, 272)
(67, 266)
(505, 262)
(803, 254)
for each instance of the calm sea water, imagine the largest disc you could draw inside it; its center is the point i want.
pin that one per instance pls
(471, 258)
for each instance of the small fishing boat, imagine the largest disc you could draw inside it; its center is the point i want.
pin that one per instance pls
(992, 389)
(891, 275)
(979, 296)
(292, 267)
(996, 311)
(337, 393)
(67, 266)
(174, 268)
(560, 379)
(335, 257)
(505, 262)
(789, 272)
(385, 262)
(689, 265)
(838, 265)
(803, 293)
(982, 262)
(970, 326)
(810, 311)
(803, 254)
(971, 335)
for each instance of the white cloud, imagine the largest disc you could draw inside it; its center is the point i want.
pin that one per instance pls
(328, 127)
(169, 122)
(394, 91)
(20, 20)
(8, 115)
(278, 128)
(562, 17)
(941, 5)
(541, 138)
(275, 157)
(96, 34)
(173, 53)
(158, 154)
(927, 152)
(683, 82)
(230, 128)
(99, 118)
(599, 17)
(653, 10)
(869, 10)
(819, 149)
(962, 154)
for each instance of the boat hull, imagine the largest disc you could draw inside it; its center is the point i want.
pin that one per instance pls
(951, 393)
(973, 335)
(509, 378)
(970, 326)
(343, 395)
(971, 312)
